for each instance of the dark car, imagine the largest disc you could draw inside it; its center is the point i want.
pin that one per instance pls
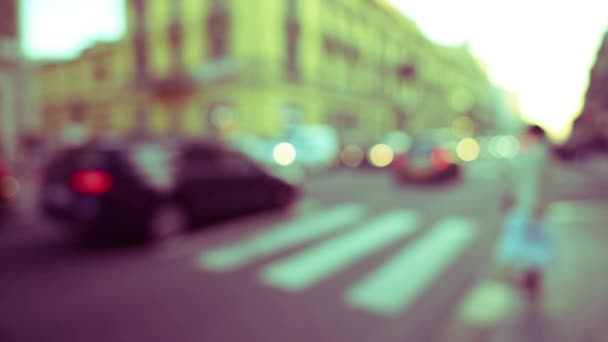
(97, 190)
(215, 183)
(426, 161)
(148, 190)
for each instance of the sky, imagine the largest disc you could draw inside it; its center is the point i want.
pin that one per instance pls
(541, 50)
(62, 28)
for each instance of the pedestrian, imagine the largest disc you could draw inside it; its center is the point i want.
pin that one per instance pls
(526, 243)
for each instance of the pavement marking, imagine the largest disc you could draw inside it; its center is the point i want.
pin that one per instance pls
(185, 245)
(393, 287)
(480, 170)
(561, 212)
(488, 304)
(308, 205)
(280, 237)
(309, 267)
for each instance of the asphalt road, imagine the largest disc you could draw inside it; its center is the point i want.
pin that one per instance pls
(359, 258)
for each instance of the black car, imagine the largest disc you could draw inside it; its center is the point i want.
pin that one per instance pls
(97, 190)
(215, 183)
(146, 190)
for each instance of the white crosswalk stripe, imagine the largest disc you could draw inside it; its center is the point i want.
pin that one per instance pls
(389, 290)
(280, 238)
(305, 269)
(395, 285)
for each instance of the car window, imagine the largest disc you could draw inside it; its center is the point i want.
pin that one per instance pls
(154, 163)
(238, 165)
(422, 149)
(201, 152)
(213, 163)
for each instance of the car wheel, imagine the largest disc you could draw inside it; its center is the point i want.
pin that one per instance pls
(167, 221)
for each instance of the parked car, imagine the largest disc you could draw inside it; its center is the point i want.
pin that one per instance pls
(96, 190)
(214, 183)
(149, 190)
(426, 161)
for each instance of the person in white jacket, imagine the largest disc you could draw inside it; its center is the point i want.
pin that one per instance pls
(526, 242)
(532, 171)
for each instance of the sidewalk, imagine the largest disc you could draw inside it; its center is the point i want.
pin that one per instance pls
(26, 204)
(574, 305)
(587, 172)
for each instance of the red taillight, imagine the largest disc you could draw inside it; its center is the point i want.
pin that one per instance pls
(92, 182)
(441, 159)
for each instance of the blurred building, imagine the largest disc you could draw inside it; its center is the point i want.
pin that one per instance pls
(452, 86)
(222, 67)
(508, 118)
(591, 127)
(94, 92)
(15, 112)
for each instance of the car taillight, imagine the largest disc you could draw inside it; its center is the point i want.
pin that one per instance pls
(441, 159)
(92, 182)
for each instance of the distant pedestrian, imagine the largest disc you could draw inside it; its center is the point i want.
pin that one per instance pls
(526, 241)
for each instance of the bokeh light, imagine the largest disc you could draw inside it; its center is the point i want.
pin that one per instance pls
(284, 153)
(352, 155)
(463, 126)
(381, 155)
(468, 149)
(504, 146)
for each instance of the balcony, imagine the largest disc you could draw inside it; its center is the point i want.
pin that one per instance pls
(174, 87)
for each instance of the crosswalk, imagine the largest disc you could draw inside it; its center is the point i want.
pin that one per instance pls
(281, 237)
(423, 262)
(334, 239)
(308, 268)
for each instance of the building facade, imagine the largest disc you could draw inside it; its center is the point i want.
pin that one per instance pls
(15, 110)
(220, 67)
(591, 126)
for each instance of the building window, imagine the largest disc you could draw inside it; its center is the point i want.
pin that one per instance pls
(400, 119)
(141, 57)
(8, 24)
(176, 9)
(292, 8)
(100, 72)
(77, 112)
(406, 72)
(344, 122)
(176, 39)
(218, 31)
(293, 38)
(141, 119)
(140, 14)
